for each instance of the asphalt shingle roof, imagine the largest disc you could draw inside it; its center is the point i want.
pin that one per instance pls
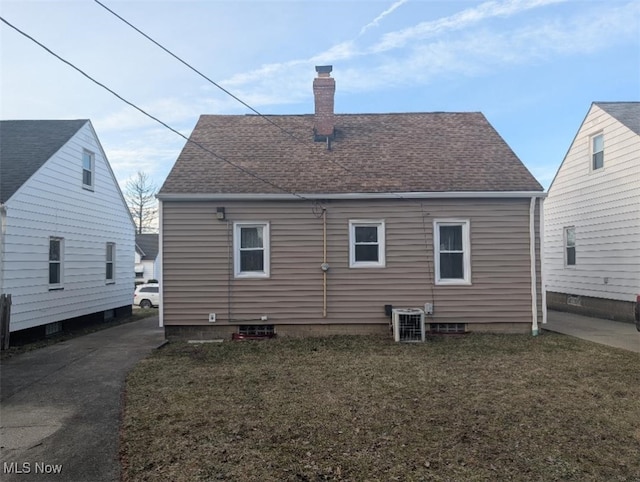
(626, 112)
(412, 152)
(148, 243)
(25, 145)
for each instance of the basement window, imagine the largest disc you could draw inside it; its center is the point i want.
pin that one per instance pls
(448, 328)
(256, 330)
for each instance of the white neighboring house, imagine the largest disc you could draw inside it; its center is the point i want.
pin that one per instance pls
(592, 217)
(146, 258)
(68, 239)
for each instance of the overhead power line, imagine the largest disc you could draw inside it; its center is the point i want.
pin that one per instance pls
(150, 116)
(189, 66)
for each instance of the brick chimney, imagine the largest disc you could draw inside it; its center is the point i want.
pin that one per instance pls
(324, 89)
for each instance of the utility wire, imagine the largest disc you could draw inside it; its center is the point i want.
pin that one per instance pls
(139, 109)
(186, 64)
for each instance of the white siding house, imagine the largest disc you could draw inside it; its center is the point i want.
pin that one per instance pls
(592, 216)
(147, 266)
(67, 243)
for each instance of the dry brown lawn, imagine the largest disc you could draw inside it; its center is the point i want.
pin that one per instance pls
(475, 407)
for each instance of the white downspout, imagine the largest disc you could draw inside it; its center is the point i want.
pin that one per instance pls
(160, 256)
(534, 281)
(543, 278)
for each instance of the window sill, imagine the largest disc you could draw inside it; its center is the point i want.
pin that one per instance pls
(453, 283)
(110, 282)
(60, 288)
(87, 188)
(363, 265)
(251, 276)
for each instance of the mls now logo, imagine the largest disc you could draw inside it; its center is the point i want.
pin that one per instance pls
(28, 467)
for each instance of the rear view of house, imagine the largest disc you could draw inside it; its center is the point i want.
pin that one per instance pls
(327, 223)
(592, 217)
(67, 239)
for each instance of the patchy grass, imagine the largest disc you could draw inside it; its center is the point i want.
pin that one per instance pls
(72, 333)
(477, 407)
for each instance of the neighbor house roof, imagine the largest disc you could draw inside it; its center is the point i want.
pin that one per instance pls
(370, 153)
(25, 145)
(148, 243)
(626, 112)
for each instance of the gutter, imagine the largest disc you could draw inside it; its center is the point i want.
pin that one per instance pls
(351, 196)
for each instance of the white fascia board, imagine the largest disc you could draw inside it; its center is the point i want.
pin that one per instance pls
(350, 196)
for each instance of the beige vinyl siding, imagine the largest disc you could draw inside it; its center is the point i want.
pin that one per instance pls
(198, 272)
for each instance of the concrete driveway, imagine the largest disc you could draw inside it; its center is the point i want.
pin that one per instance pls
(607, 332)
(60, 405)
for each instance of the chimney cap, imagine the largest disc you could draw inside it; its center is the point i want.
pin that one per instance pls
(324, 69)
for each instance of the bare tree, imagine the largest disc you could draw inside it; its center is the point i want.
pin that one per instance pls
(140, 194)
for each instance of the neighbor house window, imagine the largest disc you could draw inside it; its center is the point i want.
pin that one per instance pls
(570, 246)
(56, 247)
(110, 267)
(251, 249)
(88, 168)
(366, 244)
(452, 255)
(597, 152)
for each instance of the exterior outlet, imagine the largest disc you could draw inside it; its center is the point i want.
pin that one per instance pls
(264, 318)
(212, 317)
(428, 308)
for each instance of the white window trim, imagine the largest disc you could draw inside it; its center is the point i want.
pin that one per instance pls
(466, 247)
(60, 285)
(90, 187)
(591, 152)
(564, 247)
(378, 223)
(112, 280)
(266, 273)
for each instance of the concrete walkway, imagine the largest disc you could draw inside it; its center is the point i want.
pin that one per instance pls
(606, 332)
(60, 405)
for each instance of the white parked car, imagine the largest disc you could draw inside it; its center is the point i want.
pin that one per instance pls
(147, 295)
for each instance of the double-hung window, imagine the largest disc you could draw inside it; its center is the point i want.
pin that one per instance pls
(570, 246)
(88, 169)
(111, 263)
(597, 152)
(366, 244)
(452, 246)
(251, 249)
(56, 254)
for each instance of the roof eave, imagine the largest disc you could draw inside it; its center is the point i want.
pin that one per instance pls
(349, 196)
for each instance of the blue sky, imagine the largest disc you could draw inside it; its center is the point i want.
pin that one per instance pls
(533, 67)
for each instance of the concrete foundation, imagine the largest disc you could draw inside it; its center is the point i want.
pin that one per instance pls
(589, 306)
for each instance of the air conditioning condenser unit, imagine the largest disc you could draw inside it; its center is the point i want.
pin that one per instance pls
(408, 325)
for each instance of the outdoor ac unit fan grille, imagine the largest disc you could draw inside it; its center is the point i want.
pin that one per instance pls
(408, 325)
